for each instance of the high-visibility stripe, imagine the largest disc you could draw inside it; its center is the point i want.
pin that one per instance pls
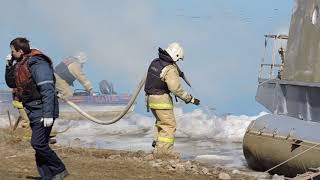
(44, 82)
(160, 106)
(17, 104)
(165, 140)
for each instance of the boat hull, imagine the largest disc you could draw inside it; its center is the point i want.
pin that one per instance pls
(273, 139)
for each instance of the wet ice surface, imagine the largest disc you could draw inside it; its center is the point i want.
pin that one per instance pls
(213, 153)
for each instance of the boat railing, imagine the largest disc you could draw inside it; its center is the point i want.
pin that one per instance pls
(275, 68)
(274, 71)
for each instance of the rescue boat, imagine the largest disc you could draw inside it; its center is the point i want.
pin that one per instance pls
(103, 104)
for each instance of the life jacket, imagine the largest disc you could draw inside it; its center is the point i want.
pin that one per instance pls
(27, 89)
(62, 70)
(154, 85)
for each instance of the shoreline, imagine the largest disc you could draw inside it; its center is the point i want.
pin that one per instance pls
(17, 157)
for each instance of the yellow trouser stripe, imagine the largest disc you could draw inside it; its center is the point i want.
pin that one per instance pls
(161, 106)
(17, 104)
(165, 140)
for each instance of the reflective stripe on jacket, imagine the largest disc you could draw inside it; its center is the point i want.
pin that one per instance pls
(170, 75)
(163, 101)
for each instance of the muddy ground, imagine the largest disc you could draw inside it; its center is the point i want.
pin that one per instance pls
(17, 162)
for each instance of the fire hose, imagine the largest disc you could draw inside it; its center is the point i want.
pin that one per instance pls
(115, 119)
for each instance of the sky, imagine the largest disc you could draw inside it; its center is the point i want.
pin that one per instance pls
(223, 41)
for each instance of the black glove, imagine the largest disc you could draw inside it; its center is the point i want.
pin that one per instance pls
(195, 101)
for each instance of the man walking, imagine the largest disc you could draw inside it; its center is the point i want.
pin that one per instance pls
(32, 76)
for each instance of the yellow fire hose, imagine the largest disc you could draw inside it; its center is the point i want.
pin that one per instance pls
(115, 119)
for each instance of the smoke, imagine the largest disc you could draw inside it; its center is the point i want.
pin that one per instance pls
(121, 38)
(116, 36)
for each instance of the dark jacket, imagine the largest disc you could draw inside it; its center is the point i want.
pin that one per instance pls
(42, 74)
(154, 85)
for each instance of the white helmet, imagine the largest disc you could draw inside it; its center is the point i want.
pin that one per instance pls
(81, 56)
(175, 51)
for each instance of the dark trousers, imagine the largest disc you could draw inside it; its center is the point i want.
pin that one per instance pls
(48, 163)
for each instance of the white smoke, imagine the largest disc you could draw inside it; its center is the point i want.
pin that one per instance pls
(122, 37)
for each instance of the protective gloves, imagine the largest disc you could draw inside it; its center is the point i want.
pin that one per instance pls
(47, 122)
(9, 60)
(195, 101)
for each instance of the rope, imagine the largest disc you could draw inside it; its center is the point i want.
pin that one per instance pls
(292, 158)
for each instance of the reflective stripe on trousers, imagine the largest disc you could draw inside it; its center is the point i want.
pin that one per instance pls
(165, 140)
(160, 106)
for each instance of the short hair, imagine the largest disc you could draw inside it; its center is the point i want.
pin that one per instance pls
(21, 43)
